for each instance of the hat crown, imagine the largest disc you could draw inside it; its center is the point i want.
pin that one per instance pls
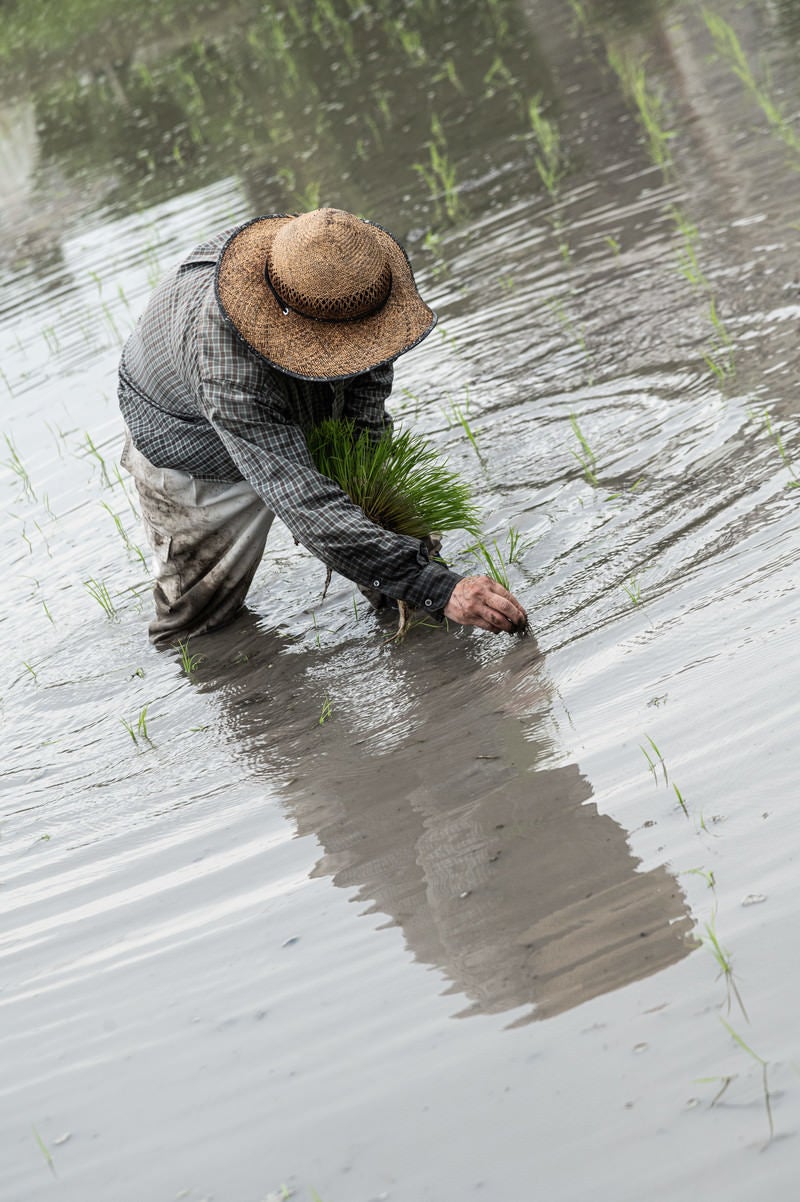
(329, 265)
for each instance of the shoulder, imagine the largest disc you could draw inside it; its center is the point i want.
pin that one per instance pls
(209, 250)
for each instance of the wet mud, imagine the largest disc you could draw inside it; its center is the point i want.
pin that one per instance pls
(305, 911)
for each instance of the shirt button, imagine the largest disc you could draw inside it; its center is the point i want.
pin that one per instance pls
(376, 584)
(428, 601)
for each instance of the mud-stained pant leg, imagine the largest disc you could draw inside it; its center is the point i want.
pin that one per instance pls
(208, 538)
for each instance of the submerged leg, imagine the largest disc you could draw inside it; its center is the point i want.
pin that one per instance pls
(208, 538)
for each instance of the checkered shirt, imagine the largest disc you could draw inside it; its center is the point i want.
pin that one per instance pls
(196, 398)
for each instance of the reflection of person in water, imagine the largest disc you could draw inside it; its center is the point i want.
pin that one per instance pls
(487, 855)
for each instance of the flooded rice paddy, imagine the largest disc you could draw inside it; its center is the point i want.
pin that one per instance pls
(316, 915)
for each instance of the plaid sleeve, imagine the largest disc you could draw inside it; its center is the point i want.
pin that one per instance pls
(248, 413)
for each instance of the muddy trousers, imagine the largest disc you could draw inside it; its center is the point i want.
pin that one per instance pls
(207, 537)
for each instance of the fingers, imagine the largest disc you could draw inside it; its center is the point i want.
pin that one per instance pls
(506, 606)
(482, 602)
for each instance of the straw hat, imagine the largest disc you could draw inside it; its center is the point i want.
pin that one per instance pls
(322, 295)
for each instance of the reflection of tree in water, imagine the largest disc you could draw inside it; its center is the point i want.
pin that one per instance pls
(494, 863)
(317, 96)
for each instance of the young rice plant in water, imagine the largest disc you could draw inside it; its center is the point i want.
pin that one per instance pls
(398, 481)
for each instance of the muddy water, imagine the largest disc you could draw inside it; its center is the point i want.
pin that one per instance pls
(430, 921)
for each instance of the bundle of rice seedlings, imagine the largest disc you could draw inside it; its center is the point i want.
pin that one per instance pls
(398, 480)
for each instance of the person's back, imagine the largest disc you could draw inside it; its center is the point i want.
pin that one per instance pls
(162, 366)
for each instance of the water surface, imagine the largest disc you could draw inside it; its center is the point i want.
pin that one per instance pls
(433, 920)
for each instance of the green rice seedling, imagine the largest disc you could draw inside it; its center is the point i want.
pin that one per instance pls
(499, 20)
(121, 531)
(375, 130)
(119, 480)
(579, 11)
(51, 338)
(634, 590)
(109, 316)
(774, 434)
(18, 468)
(687, 255)
(384, 108)
(548, 161)
(729, 48)
(585, 456)
(99, 590)
(440, 175)
(723, 959)
(316, 627)
(720, 357)
(93, 451)
(764, 1073)
(189, 662)
(650, 763)
(432, 243)
(458, 415)
(59, 437)
(517, 545)
(327, 710)
(615, 246)
(724, 1082)
(412, 396)
(496, 77)
(659, 756)
(7, 382)
(398, 480)
(633, 78)
(720, 330)
(45, 1151)
(30, 668)
(410, 41)
(140, 730)
(341, 27)
(132, 547)
(506, 282)
(130, 730)
(718, 367)
(448, 72)
(492, 561)
(706, 874)
(681, 801)
(141, 724)
(48, 615)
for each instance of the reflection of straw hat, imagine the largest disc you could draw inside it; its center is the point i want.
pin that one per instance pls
(321, 296)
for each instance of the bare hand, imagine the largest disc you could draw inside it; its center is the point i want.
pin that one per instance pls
(481, 601)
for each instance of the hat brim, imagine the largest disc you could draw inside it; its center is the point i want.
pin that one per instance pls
(305, 347)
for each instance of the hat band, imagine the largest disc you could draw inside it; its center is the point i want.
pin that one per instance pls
(286, 307)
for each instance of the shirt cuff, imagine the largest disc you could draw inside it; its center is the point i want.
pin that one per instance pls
(432, 587)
